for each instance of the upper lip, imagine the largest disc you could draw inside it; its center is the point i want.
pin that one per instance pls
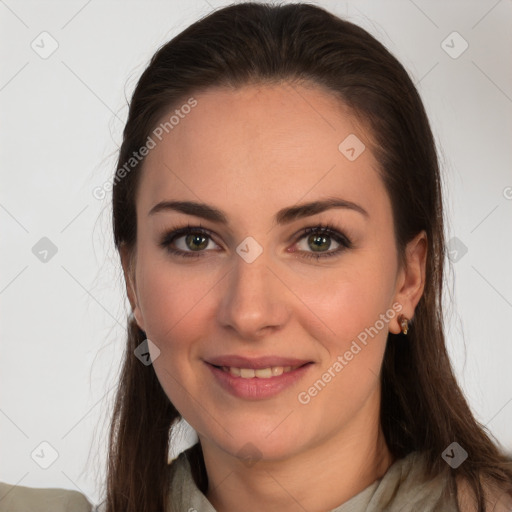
(255, 362)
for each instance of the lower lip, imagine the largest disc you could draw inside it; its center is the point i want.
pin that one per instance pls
(256, 388)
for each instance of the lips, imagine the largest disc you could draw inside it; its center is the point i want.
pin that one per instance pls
(257, 378)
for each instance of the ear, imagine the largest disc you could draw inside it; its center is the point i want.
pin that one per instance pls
(410, 281)
(128, 264)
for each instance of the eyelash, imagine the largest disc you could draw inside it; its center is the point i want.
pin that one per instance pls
(321, 229)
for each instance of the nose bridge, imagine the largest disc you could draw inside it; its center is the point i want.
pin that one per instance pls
(252, 301)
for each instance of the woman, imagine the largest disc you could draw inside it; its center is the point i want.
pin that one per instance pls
(278, 213)
(282, 243)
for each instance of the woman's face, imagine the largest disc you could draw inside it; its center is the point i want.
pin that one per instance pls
(254, 291)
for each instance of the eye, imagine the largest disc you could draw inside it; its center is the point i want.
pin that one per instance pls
(319, 239)
(189, 241)
(194, 241)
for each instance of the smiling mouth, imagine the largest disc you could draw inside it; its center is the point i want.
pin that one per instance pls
(260, 373)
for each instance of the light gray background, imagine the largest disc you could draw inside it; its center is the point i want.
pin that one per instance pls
(62, 322)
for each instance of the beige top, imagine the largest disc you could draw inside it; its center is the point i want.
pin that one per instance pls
(18, 498)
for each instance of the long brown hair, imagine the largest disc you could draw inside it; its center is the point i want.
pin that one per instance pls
(423, 407)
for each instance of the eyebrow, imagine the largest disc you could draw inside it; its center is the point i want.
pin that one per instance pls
(283, 216)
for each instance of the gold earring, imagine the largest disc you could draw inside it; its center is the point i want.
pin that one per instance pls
(404, 325)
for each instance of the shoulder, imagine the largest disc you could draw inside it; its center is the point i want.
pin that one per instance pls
(496, 498)
(17, 498)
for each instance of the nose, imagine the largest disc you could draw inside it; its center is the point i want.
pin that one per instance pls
(254, 301)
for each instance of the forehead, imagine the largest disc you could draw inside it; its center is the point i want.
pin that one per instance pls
(261, 146)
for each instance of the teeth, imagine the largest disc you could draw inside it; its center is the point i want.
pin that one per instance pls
(261, 373)
(233, 371)
(277, 370)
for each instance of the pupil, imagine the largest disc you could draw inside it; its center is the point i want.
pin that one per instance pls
(198, 239)
(318, 240)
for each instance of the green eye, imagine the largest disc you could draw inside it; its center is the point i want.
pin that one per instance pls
(190, 241)
(196, 241)
(319, 242)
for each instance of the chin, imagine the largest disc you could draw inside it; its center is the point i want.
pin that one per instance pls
(251, 443)
(252, 451)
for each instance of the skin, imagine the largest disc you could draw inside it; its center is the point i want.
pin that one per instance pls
(250, 153)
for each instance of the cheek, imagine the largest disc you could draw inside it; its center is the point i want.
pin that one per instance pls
(353, 335)
(173, 306)
(170, 296)
(343, 303)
